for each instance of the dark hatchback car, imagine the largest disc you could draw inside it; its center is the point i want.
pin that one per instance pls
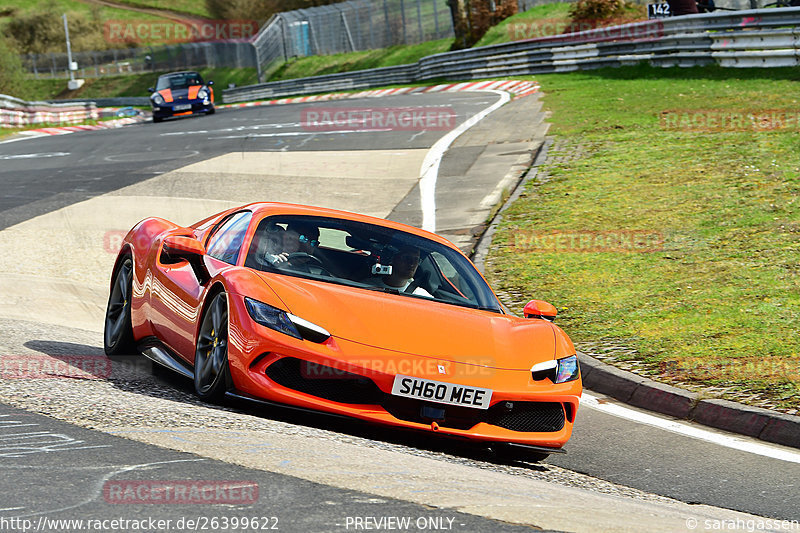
(181, 93)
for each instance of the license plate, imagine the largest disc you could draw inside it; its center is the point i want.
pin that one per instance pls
(182, 107)
(440, 392)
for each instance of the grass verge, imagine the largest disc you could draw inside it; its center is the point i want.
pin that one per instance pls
(384, 57)
(712, 297)
(132, 85)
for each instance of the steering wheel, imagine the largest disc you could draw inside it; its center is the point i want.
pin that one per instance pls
(303, 255)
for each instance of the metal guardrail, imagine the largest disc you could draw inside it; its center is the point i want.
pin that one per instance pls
(15, 112)
(121, 101)
(748, 38)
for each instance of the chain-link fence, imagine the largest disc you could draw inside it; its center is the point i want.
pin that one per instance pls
(351, 26)
(147, 59)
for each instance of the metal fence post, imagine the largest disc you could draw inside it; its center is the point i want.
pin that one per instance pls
(419, 21)
(389, 39)
(347, 31)
(435, 19)
(403, 19)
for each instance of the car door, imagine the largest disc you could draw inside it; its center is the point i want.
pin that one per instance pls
(177, 293)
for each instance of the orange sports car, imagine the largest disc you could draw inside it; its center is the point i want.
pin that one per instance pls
(345, 314)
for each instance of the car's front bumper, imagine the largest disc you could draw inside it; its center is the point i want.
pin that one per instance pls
(351, 379)
(178, 108)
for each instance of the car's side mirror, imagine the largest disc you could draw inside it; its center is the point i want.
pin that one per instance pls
(151, 90)
(190, 249)
(183, 246)
(210, 83)
(540, 309)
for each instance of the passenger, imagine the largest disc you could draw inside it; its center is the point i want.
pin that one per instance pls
(403, 265)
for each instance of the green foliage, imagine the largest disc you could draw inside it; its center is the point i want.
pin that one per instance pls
(472, 19)
(260, 10)
(37, 32)
(592, 10)
(384, 57)
(12, 75)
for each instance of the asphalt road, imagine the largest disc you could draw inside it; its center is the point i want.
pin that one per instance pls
(41, 175)
(58, 477)
(46, 173)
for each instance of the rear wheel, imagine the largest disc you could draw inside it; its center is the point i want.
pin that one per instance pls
(118, 334)
(211, 372)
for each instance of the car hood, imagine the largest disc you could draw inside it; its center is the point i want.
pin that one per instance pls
(417, 326)
(180, 94)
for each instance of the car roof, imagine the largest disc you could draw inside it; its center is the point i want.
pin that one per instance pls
(279, 208)
(168, 74)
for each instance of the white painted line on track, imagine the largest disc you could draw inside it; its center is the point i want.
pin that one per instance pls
(300, 133)
(430, 166)
(26, 135)
(237, 128)
(34, 156)
(682, 428)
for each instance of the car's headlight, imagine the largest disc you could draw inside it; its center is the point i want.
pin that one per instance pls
(284, 322)
(559, 371)
(568, 369)
(158, 99)
(202, 94)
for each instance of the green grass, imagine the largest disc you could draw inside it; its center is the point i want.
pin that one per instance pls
(59, 7)
(133, 85)
(192, 7)
(385, 57)
(549, 17)
(545, 21)
(718, 304)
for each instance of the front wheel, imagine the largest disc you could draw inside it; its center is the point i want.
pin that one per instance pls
(211, 371)
(118, 332)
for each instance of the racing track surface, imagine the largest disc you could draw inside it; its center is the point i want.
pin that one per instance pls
(65, 199)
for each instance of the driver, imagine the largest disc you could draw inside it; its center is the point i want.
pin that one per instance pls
(298, 238)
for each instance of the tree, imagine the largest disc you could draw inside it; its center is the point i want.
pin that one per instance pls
(473, 18)
(12, 73)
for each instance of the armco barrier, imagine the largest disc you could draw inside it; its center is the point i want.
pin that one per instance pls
(747, 38)
(16, 113)
(121, 101)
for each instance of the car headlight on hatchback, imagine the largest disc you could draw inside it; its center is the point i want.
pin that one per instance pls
(158, 99)
(202, 94)
(558, 370)
(283, 322)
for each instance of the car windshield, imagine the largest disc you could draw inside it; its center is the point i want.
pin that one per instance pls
(181, 80)
(370, 257)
